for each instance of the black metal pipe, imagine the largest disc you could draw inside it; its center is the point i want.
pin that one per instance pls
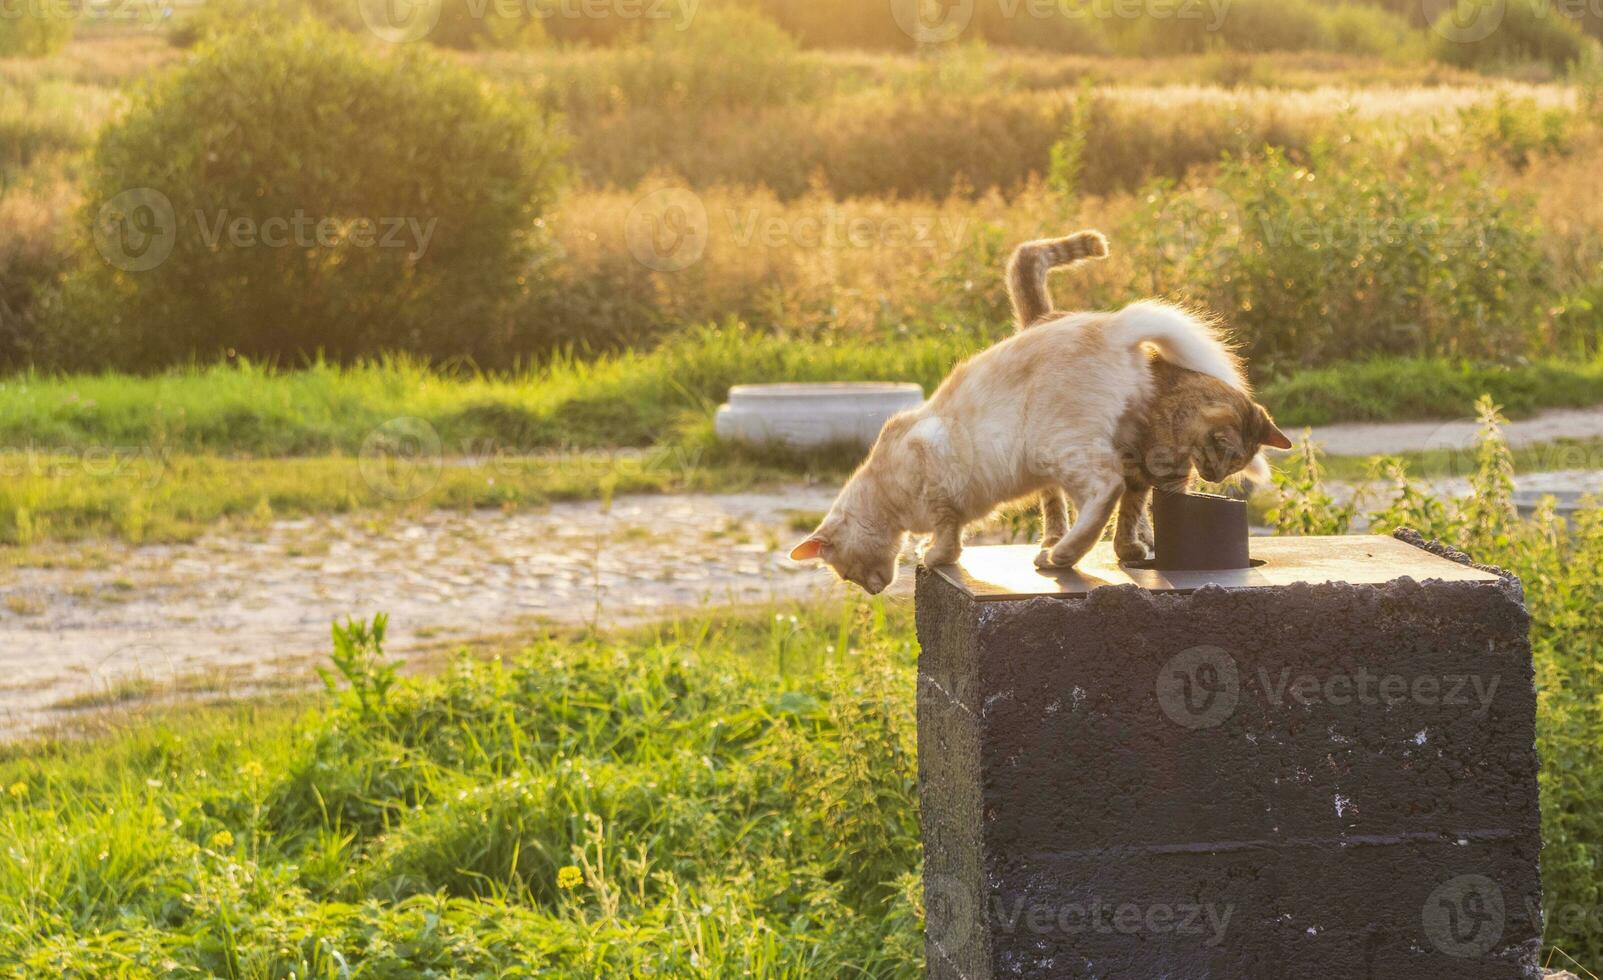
(1195, 531)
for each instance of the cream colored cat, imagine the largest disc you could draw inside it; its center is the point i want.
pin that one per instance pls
(1064, 404)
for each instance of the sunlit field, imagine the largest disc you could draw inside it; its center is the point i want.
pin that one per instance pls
(283, 264)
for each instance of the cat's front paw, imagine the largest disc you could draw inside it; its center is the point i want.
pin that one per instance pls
(942, 556)
(1048, 559)
(1066, 554)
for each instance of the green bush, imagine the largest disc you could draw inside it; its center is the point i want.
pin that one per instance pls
(33, 29)
(1492, 34)
(29, 270)
(1362, 29)
(1519, 130)
(302, 216)
(725, 59)
(461, 24)
(1244, 25)
(1348, 257)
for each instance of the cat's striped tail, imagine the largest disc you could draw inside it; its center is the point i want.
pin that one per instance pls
(1027, 271)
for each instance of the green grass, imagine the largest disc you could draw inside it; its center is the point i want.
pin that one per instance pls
(1394, 389)
(629, 399)
(737, 795)
(53, 497)
(635, 399)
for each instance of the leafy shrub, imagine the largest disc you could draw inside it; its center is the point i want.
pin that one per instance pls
(300, 216)
(461, 24)
(727, 58)
(1520, 31)
(1348, 257)
(1578, 322)
(33, 30)
(1244, 25)
(33, 258)
(1518, 130)
(1354, 28)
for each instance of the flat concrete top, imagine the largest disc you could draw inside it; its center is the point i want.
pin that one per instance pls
(1008, 571)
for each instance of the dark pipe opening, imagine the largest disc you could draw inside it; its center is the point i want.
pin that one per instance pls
(1199, 531)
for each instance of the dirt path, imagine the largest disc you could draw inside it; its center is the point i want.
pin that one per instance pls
(1379, 438)
(226, 613)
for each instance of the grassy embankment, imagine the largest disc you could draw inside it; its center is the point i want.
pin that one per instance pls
(154, 459)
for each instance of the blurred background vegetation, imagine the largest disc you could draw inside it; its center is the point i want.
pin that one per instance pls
(1339, 181)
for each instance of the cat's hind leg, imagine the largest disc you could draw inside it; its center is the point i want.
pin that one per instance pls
(1054, 517)
(1132, 536)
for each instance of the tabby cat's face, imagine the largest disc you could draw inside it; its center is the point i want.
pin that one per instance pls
(1225, 438)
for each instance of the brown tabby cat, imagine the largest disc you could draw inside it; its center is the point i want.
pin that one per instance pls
(1157, 435)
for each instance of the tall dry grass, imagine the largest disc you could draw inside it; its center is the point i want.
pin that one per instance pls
(909, 144)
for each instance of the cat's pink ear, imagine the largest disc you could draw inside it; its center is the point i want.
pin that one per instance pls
(1274, 437)
(811, 548)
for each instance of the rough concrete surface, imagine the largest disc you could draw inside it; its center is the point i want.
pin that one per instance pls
(1315, 779)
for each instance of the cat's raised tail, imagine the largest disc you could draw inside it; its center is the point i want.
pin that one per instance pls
(1183, 340)
(1028, 268)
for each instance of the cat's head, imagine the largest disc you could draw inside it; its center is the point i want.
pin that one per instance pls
(1226, 434)
(860, 551)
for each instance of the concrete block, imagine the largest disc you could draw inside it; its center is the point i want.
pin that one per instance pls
(1322, 765)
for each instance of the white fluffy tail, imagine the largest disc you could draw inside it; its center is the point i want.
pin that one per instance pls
(1181, 338)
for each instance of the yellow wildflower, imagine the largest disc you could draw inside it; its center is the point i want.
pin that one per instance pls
(569, 877)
